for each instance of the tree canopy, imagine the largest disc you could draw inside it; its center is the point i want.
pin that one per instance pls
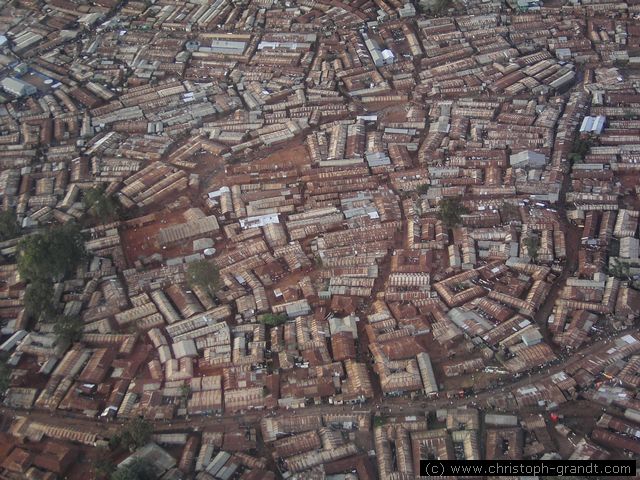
(185, 391)
(100, 205)
(38, 298)
(509, 212)
(580, 149)
(620, 270)
(9, 227)
(450, 211)
(422, 189)
(273, 319)
(5, 377)
(133, 434)
(52, 254)
(436, 7)
(203, 274)
(68, 328)
(533, 245)
(138, 469)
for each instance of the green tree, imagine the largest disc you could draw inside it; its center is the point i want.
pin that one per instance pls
(9, 227)
(509, 212)
(100, 205)
(68, 328)
(52, 254)
(533, 245)
(436, 7)
(133, 434)
(38, 298)
(272, 319)
(619, 270)
(580, 148)
(450, 211)
(441, 6)
(203, 274)
(422, 189)
(5, 377)
(138, 469)
(185, 392)
(379, 421)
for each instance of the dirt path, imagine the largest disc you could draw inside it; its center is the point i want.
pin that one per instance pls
(572, 245)
(388, 406)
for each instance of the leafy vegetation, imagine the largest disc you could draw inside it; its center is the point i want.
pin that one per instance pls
(441, 6)
(38, 298)
(273, 319)
(378, 421)
(509, 212)
(620, 270)
(46, 257)
(203, 274)
(5, 377)
(52, 254)
(68, 328)
(133, 434)
(185, 392)
(436, 7)
(580, 149)
(450, 211)
(9, 227)
(533, 246)
(422, 189)
(138, 469)
(100, 205)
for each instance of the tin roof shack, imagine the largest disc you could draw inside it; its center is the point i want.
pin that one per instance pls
(333, 448)
(205, 398)
(18, 461)
(402, 436)
(344, 333)
(504, 443)
(528, 158)
(357, 387)
(481, 84)
(426, 373)
(397, 377)
(155, 456)
(197, 225)
(56, 457)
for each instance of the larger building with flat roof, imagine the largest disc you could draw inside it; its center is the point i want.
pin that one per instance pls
(17, 88)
